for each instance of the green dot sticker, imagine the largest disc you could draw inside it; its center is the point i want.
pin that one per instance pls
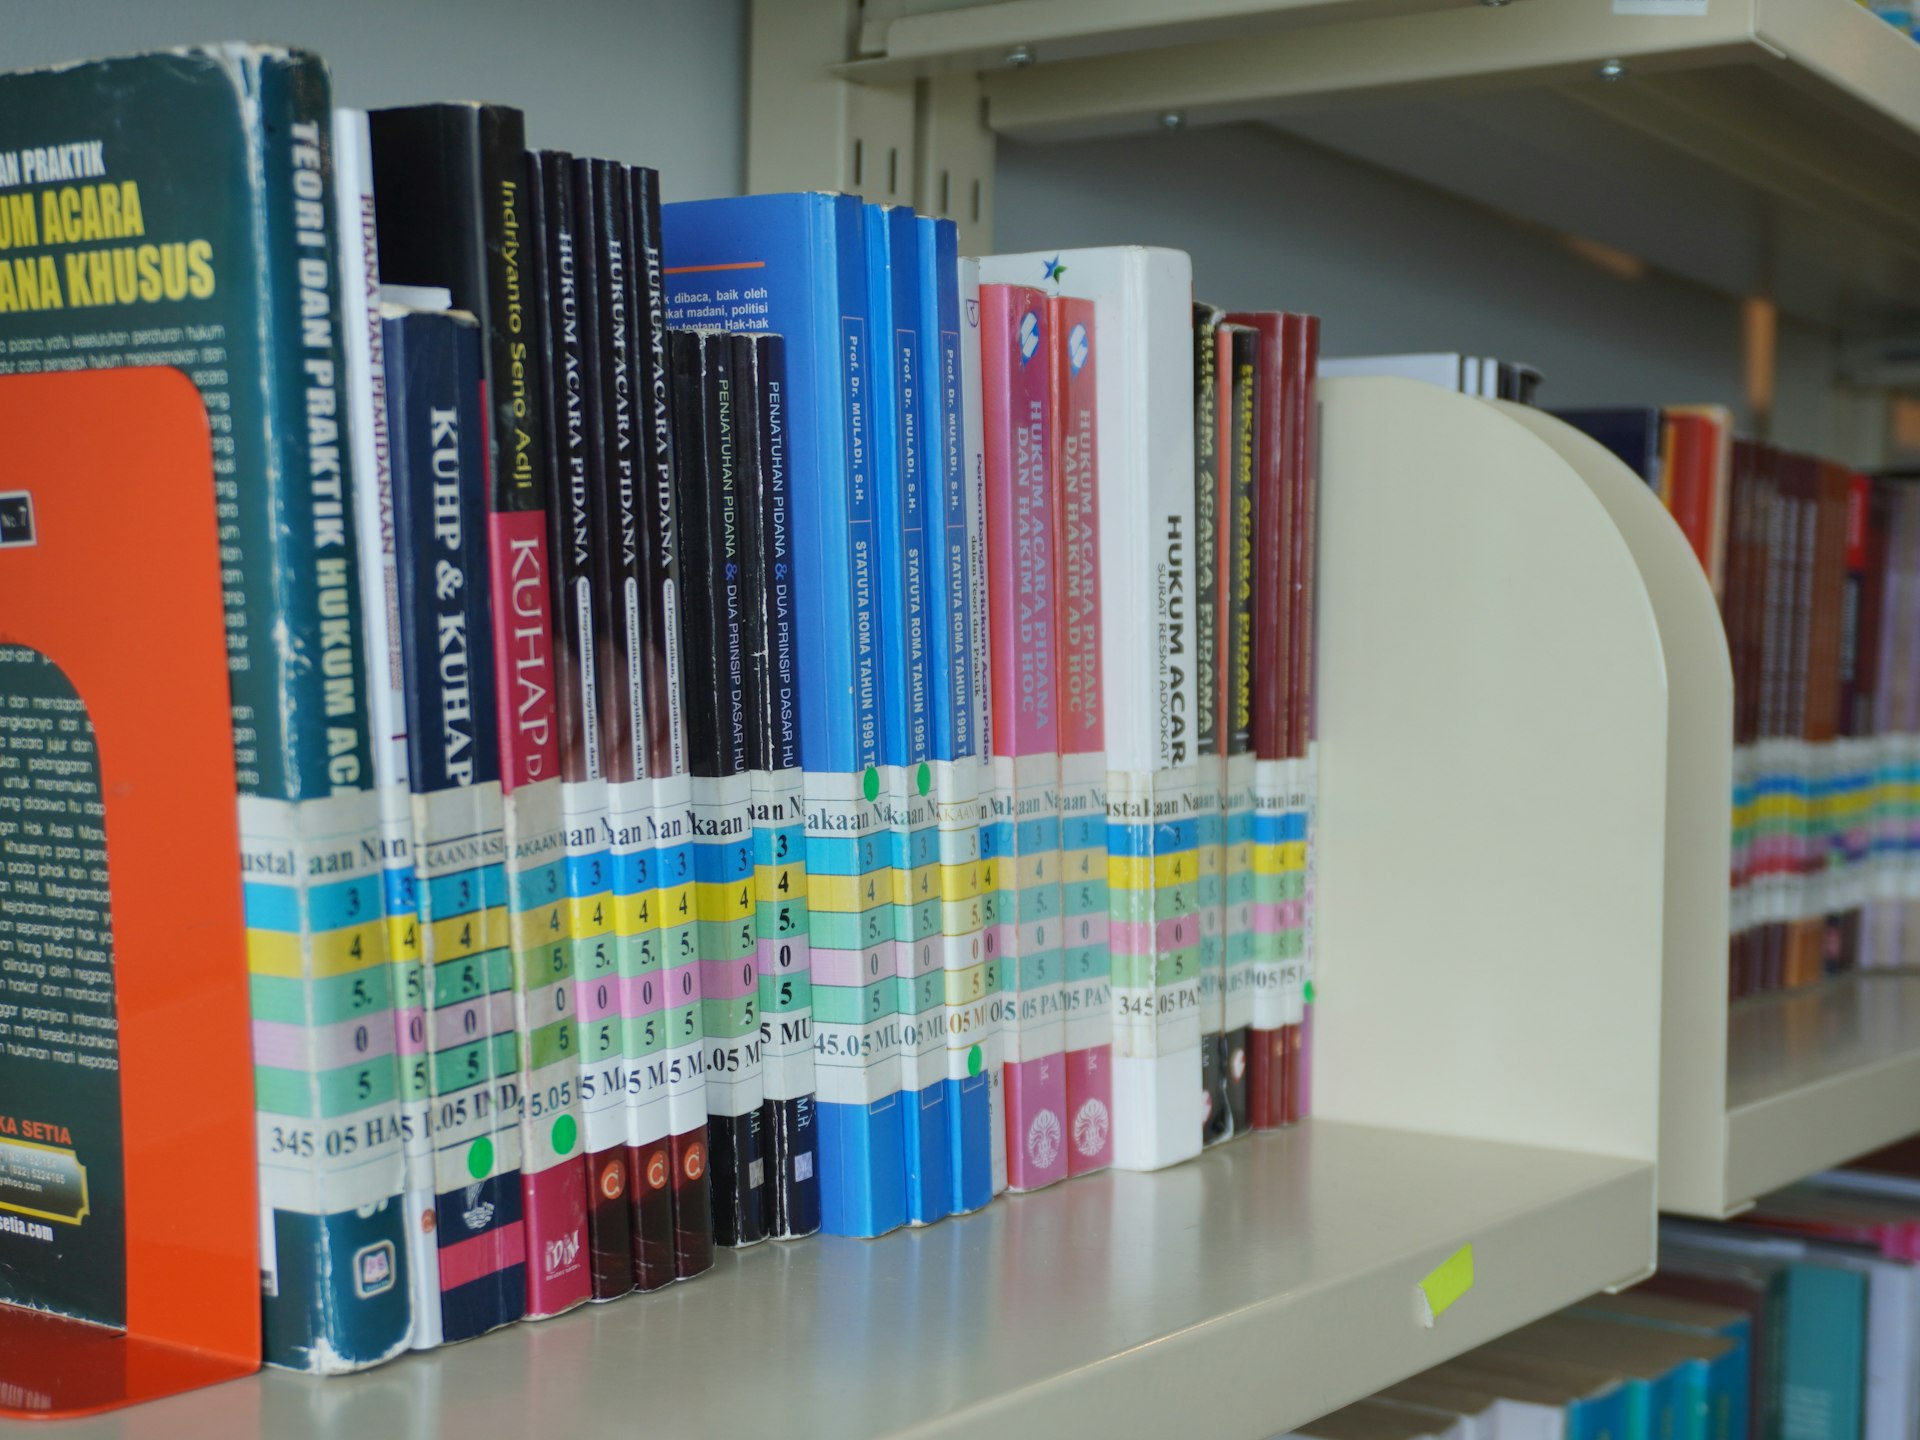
(973, 1061)
(870, 784)
(925, 778)
(1309, 992)
(480, 1158)
(566, 1130)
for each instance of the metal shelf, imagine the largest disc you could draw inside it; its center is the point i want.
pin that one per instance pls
(1286, 1262)
(1820, 1076)
(1765, 147)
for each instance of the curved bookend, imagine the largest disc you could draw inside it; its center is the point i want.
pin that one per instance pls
(1693, 1061)
(129, 1263)
(1493, 784)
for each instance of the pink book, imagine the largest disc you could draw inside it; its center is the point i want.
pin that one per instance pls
(1083, 758)
(1021, 605)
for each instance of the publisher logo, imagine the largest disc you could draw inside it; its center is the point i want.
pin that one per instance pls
(1090, 1128)
(373, 1269)
(657, 1170)
(16, 519)
(561, 1254)
(1043, 1139)
(1077, 348)
(613, 1183)
(1029, 336)
(695, 1163)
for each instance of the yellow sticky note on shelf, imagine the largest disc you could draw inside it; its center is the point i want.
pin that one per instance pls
(1442, 1286)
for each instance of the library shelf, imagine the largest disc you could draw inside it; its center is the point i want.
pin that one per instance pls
(1818, 1076)
(1484, 1042)
(1762, 147)
(1267, 1282)
(1761, 1093)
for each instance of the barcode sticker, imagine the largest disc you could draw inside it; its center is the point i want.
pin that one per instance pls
(1659, 7)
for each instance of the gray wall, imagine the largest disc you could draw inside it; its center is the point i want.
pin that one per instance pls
(1271, 221)
(658, 82)
(1393, 266)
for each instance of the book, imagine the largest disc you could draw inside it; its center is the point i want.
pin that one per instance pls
(454, 213)
(1633, 433)
(1280, 825)
(993, 835)
(1086, 987)
(955, 512)
(364, 346)
(1239, 372)
(1142, 300)
(808, 284)
(706, 479)
(578, 516)
(736, 1081)
(791, 1196)
(1211, 501)
(459, 836)
(222, 247)
(1022, 605)
(900, 491)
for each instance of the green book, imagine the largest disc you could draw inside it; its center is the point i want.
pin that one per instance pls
(176, 209)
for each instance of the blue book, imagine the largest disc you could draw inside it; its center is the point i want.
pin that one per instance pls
(955, 738)
(1724, 1335)
(796, 265)
(436, 431)
(1631, 432)
(900, 546)
(1824, 1352)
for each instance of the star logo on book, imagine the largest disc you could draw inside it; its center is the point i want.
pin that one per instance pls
(1054, 269)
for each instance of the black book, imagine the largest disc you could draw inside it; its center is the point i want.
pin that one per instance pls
(645, 942)
(791, 1197)
(1238, 439)
(1216, 1119)
(568, 332)
(734, 546)
(713, 673)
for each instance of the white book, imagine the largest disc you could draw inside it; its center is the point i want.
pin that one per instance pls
(1143, 314)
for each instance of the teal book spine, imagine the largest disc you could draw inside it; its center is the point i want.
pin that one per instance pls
(1823, 1353)
(177, 209)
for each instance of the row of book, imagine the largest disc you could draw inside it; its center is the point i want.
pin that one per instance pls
(746, 722)
(1801, 1321)
(1814, 568)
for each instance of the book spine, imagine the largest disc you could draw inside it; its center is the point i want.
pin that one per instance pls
(1274, 826)
(862, 1132)
(333, 1255)
(553, 1175)
(730, 979)
(792, 1191)
(588, 518)
(579, 618)
(459, 830)
(900, 547)
(1239, 377)
(538, 916)
(366, 376)
(1022, 531)
(1209, 618)
(1304, 361)
(1086, 983)
(992, 1024)
(966, 1000)
(722, 844)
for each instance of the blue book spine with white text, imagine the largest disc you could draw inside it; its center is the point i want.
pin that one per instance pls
(900, 533)
(796, 265)
(459, 839)
(950, 670)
